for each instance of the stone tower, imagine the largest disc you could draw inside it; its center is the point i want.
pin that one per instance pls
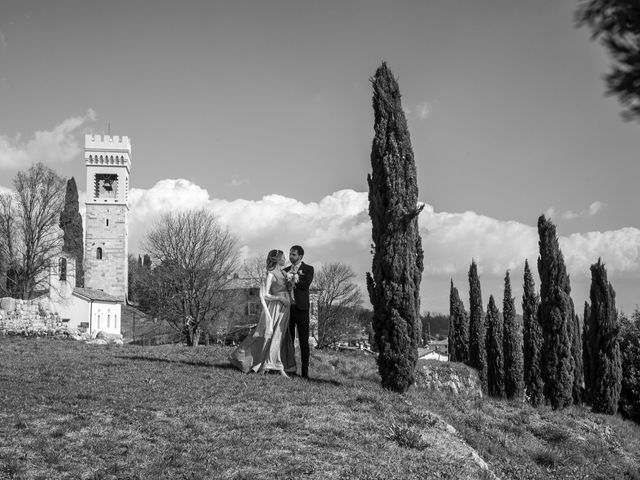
(108, 161)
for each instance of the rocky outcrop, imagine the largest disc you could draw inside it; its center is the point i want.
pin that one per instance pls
(455, 378)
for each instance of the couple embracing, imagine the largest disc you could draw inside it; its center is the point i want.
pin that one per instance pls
(285, 307)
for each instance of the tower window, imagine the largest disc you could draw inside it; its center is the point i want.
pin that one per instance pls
(105, 185)
(63, 269)
(107, 222)
(99, 253)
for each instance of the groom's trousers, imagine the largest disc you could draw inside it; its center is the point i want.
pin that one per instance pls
(300, 318)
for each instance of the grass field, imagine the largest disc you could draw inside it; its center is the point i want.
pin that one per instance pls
(71, 410)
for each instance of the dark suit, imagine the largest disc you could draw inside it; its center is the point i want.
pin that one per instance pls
(300, 313)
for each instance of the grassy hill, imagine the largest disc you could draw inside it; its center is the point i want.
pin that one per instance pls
(72, 410)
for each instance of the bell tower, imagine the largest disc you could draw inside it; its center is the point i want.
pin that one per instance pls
(108, 162)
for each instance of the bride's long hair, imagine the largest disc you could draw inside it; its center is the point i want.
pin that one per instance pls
(272, 259)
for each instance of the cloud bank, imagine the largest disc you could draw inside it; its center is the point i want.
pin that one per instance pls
(338, 228)
(49, 146)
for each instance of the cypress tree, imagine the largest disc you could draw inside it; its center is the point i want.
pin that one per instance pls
(576, 353)
(605, 363)
(513, 355)
(394, 284)
(477, 347)
(495, 353)
(556, 316)
(451, 343)
(629, 404)
(532, 339)
(71, 224)
(586, 354)
(458, 328)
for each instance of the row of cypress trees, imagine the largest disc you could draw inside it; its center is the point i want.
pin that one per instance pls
(543, 357)
(491, 343)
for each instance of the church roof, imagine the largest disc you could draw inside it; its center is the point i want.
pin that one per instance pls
(96, 295)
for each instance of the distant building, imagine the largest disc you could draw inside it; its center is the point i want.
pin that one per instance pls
(86, 309)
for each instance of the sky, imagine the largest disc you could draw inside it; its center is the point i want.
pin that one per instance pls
(261, 111)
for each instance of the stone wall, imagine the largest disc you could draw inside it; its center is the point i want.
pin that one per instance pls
(30, 317)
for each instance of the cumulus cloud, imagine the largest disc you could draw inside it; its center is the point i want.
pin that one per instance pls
(238, 182)
(550, 212)
(453, 239)
(592, 210)
(57, 145)
(338, 228)
(423, 110)
(419, 111)
(596, 207)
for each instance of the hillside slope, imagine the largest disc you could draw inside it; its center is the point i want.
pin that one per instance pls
(71, 410)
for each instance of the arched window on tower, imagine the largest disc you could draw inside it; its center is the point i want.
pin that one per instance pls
(99, 253)
(63, 269)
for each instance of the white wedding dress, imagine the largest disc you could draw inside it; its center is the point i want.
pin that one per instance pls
(269, 347)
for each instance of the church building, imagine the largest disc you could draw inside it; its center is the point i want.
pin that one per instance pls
(97, 306)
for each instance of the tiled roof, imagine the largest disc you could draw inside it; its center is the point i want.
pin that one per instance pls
(93, 294)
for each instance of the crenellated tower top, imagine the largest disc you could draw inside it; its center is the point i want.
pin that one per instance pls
(107, 142)
(110, 150)
(108, 161)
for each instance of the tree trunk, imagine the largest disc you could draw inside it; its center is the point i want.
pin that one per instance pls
(194, 335)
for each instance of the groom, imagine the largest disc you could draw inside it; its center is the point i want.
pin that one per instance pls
(302, 276)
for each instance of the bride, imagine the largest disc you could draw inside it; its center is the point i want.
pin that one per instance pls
(270, 346)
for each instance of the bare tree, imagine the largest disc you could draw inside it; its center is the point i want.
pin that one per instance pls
(29, 230)
(196, 260)
(338, 303)
(255, 268)
(8, 232)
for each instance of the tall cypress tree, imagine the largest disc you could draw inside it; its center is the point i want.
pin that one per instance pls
(451, 342)
(477, 346)
(495, 353)
(586, 354)
(605, 363)
(556, 314)
(513, 359)
(458, 328)
(576, 353)
(394, 284)
(629, 404)
(532, 339)
(71, 224)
